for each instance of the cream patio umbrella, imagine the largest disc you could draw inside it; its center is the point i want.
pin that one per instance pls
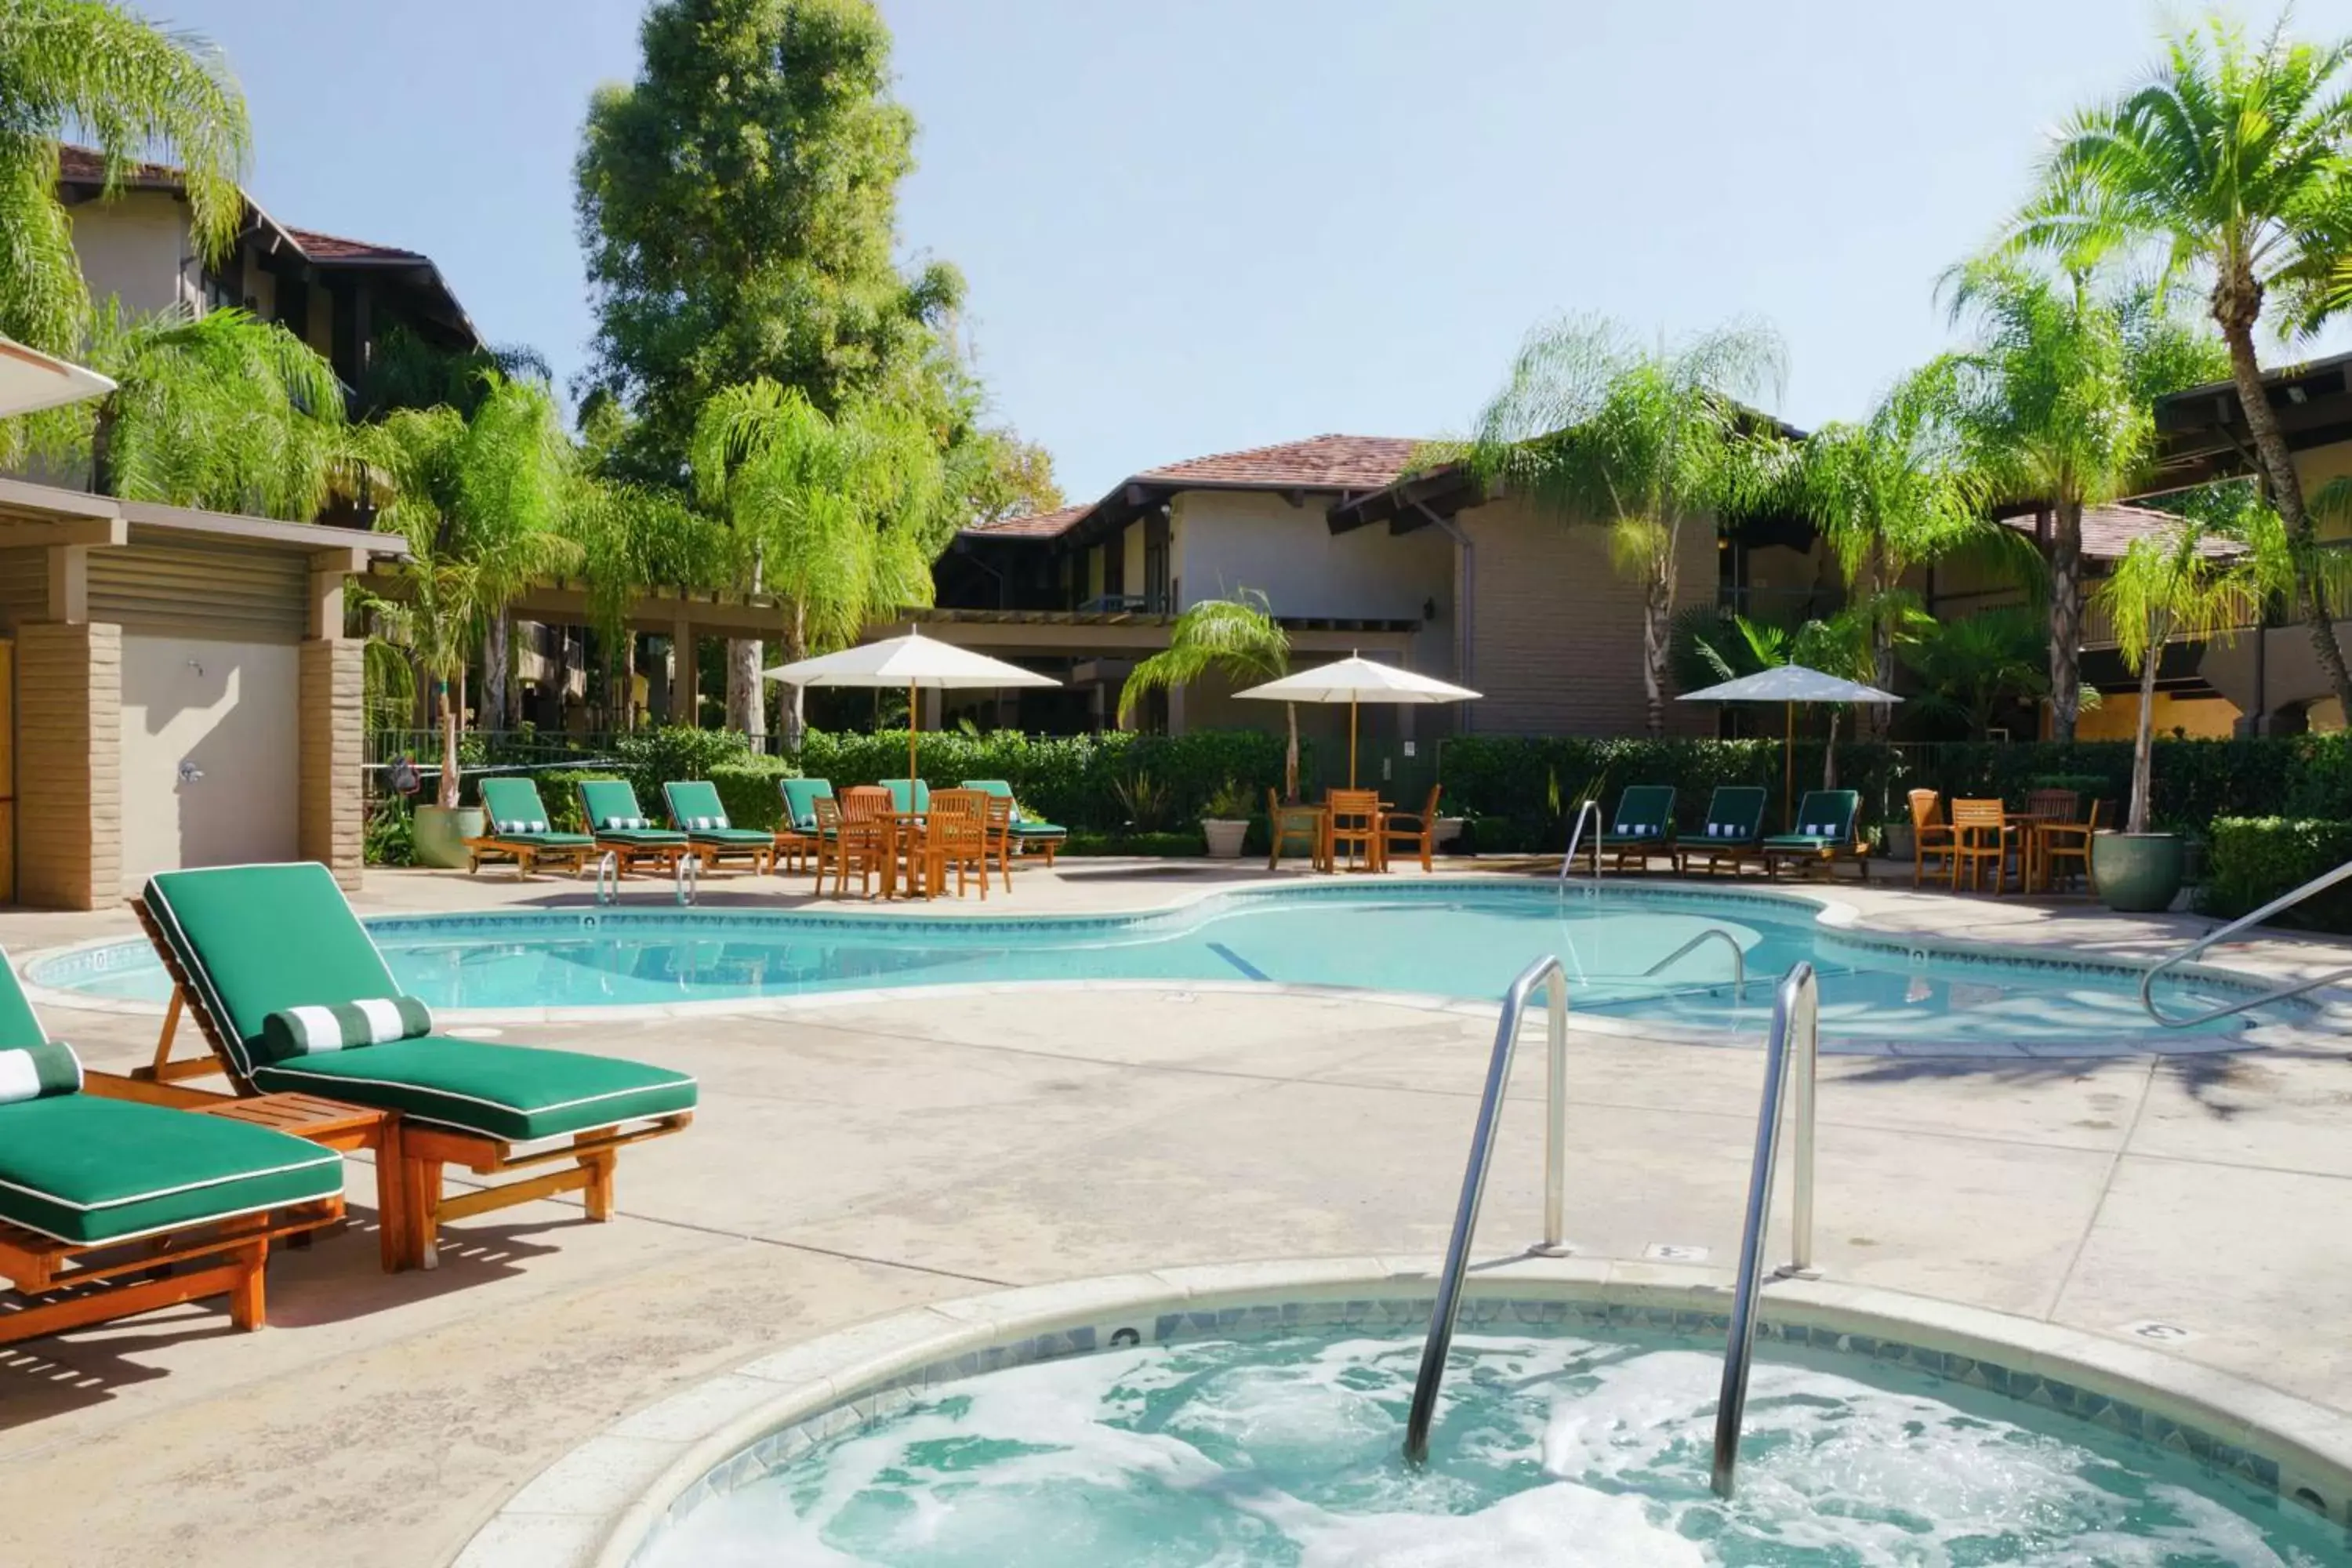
(1356, 680)
(914, 661)
(31, 381)
(1788, 684)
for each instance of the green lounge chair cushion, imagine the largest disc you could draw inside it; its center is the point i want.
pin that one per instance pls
(516, 811)
(610, 808)
(1735, 816)
(87, 1169)
(515, 1092)
(546, 840)
(641, 837)
(1024, 826)
(695, 809)
(909, 795)
(750, 837)
(18, 1026)
(800, 796)
(257, 939)
(1802, 841)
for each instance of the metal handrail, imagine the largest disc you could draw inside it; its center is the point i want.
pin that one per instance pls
(1590, 808)
(689, 878)
(1712, 934)
(608, 878)
(2319, 884)
(1547, 973)
(1796, 1027)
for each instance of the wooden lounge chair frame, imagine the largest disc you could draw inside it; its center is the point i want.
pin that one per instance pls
(761, 856)
(1827, 856)
(1717, 849)
(1633, 851)
(493, 849)
(97, 1282)
(664, 858)
(425, 1148)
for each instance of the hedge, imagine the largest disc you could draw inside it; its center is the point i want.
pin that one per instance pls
(2252, 859)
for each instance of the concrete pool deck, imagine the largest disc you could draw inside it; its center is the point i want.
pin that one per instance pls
(869, 1156)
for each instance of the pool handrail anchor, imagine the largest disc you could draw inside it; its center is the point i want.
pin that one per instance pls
(1791, 1057)
(1590, 808)
(1548, 974)
(608, 879)
(689, 879)
(2317, 884)
(1712, 934)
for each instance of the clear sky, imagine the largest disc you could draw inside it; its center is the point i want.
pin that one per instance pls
(1227, 223)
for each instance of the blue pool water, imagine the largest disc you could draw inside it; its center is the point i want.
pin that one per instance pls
(1466, 941)
(1552, 1451)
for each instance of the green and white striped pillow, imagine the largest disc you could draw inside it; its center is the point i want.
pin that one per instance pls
(611, 822)
(35, 1072)
(306, 1031)
(708, 824)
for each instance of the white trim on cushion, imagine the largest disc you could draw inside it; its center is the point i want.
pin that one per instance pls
(416, 1087)
(177, 1224)
(330, 1158)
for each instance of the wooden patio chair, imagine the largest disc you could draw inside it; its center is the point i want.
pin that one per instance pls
(2069, 841)
(1288, 824)
(998, 827)
(1030, 835)
(1354, 823)
(243, 942)
(1416, 830)
(955, 833)
(520, 831)
(109, 1207)
(1981, 831)
(1931, 836)
(852, 833)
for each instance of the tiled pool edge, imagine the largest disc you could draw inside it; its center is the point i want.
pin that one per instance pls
(604, 1502)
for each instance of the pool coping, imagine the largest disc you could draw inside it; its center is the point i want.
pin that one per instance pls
(1843, 922)
(602, 1503)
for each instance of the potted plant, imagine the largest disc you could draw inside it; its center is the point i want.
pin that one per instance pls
(1226, 821)
(2189, 582)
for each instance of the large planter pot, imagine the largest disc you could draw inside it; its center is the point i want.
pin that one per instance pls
(1444, 830)
(1898, 840)
(442, 832)
(1224, 837)
(2137, 872)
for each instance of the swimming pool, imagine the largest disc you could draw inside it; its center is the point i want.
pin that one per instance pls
(1462, 940)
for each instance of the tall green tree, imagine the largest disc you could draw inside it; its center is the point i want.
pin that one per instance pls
(480, 503)
(2055, 404)
(1887, 495)
(1647, 440)
(1969, 665)
(1238, 637)
(2228, 164)
(95, 69)
(839, 517)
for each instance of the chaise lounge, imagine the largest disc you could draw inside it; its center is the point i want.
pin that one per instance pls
(622, 828)
(1643, 827)
(696, 811)
(247, 945)
(1733, 831)
(1825, 832)
(1030, 835)
(520, 831)
(112, 1208)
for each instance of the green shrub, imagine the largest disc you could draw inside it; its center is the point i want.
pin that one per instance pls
(2252, 859)
(748, 790)
(390, 837)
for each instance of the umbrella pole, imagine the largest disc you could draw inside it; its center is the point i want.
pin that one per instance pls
(1351, 743)
(1788, 769)
(914, 725)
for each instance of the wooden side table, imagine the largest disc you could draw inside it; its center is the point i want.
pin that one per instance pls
(329, 1124)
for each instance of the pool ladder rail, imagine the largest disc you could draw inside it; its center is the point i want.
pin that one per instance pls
(608, 879)
(1791, 1058)
(1588, 809)
(2317, 884)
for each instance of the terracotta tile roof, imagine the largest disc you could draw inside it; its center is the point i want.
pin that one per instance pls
(1320, 462)
(1035, 525)
(2108, 531)
(87, 167)
(334, 248)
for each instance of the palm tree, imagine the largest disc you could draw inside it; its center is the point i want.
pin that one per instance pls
(2228, 164)
(1648, 441)
(1969, 667)
(2055, 404)
(94, 69)
(2174, 585)
(481, 505)
(840, 518)
(1887, 495)
(219, 411)
(1237, 636)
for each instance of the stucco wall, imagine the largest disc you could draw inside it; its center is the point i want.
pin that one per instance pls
(1247, 539)
(1555, 631)
(134, 247)
(230, 709)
